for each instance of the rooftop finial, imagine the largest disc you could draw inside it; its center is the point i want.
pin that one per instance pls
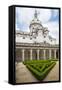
(36, 13)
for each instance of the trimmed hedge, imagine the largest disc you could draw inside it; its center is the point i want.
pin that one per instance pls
(40, 68)
(36, 61)
(40, 75)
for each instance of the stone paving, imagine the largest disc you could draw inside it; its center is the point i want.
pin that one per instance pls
(53, 75)
(23, 75)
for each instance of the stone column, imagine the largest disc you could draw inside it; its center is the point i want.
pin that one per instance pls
(49, 53)
(44, 52)
(38, 54)
(31, 54)
(23, 55)
(58, 54)
(55, 54)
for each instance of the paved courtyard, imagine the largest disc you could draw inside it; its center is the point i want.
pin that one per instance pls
(53, 75)
(23, 75)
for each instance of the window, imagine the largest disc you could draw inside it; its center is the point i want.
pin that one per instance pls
(23, 37)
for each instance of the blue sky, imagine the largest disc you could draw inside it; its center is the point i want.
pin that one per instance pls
(48, 17)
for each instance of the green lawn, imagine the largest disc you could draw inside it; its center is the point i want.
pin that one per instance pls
(40, 68)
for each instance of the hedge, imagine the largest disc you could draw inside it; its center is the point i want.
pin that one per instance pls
(35, 61)
(44, 71)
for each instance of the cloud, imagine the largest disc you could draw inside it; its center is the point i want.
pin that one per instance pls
(48, 17)
(45, 15)
(23, 18)
(53, 28)
(54, 15)
(25, 15)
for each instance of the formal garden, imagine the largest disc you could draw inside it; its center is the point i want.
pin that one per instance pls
(40, 68)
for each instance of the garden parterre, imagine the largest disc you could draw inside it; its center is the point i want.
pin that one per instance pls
(40, 68)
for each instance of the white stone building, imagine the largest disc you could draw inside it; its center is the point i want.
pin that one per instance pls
(36, 44)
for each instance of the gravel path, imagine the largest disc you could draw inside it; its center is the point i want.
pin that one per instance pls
(23, 75)
(53, 75)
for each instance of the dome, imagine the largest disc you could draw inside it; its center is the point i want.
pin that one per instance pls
(35, 20)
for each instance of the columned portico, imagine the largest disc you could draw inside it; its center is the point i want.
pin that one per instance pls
(36, 53)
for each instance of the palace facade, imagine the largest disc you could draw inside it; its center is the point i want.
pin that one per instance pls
(36, 44)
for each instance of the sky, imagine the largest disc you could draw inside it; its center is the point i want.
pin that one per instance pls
(48, 17)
